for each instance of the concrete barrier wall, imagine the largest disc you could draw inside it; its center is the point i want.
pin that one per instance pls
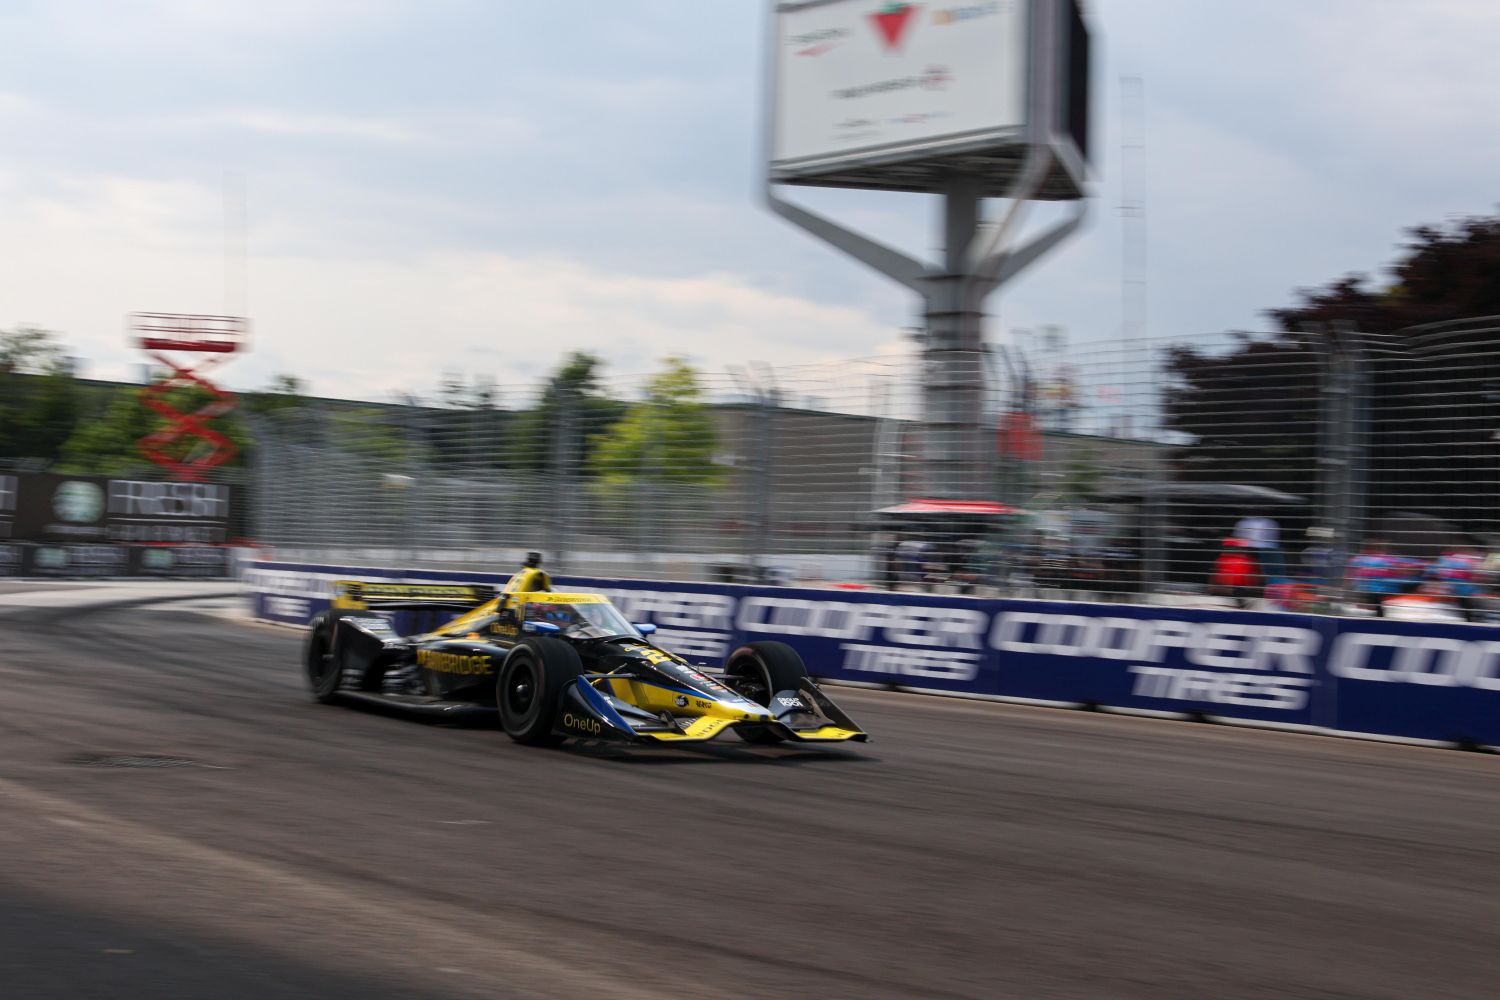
(1402, 680)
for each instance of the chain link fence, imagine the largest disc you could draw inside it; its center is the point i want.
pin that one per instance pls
(811, 473)
(1256, 470)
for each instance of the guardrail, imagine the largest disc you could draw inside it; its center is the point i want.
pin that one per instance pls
(1409, 681)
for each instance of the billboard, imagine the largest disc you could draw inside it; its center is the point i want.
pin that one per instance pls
(893, 95)
(90, 510)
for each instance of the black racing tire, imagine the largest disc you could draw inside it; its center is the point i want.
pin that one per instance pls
(320, 664)
(529, 691)
(758, 670)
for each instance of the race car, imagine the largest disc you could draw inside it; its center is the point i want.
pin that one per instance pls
(556, 665)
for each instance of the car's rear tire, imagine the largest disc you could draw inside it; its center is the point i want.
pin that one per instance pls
(321, 665)
(529, 691)
(758, 670)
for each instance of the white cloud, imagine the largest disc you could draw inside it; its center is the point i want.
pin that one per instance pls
(365, 328)
(195, 29)
(322, 126)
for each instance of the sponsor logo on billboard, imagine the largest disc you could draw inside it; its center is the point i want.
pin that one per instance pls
(295, 609)
(1287, 694)
(78, 502)
(966, 12)
(907, 625)
(1217, 663)
(1215, 645)
(815, 43)
(133, 498)
(921, 664)
(80, 560)
(934, 78)
(1428, 660)
(892, 22)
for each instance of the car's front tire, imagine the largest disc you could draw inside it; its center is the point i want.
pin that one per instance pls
(758, 670)
(530, 688)
(321, 665)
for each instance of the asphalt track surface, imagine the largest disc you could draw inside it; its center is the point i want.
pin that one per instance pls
(973, 850)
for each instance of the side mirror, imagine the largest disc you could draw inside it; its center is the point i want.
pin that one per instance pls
(541, 628)
(644, 629)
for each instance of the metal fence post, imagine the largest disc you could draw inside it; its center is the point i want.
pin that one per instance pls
(1343, 445)
(563, 464)
(645, 490)
(767, 402)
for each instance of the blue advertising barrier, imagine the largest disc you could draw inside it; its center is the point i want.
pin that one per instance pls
(1437, 682)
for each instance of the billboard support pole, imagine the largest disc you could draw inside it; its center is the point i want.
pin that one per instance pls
(953, 352)
(954, 380)
(892, 263)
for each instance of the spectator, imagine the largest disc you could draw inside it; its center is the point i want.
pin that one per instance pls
(1317, 558)
(1236, 573)
(1376, 575)
(910, 558)
(1458, 575)
(1263, 536)
(968, 569)
(1292, 596)
(1258, 532)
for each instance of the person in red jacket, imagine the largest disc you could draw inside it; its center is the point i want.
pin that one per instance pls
(1236, 573)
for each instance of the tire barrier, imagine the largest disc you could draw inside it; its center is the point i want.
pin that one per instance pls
(1430, 682)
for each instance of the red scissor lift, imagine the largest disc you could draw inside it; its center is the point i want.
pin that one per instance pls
(190, 346)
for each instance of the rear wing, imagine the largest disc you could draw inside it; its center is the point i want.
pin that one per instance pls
(362, 595)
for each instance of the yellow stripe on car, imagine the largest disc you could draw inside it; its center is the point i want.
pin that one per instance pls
(699, 729)
(826, 733)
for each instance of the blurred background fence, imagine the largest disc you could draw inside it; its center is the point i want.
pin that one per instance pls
(1111, 471)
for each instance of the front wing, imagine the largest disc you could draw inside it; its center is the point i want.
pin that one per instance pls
(806, 715)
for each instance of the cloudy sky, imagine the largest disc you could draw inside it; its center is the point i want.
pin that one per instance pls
(484, 184)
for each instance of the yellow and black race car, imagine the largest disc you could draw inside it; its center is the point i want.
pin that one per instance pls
(556, 665)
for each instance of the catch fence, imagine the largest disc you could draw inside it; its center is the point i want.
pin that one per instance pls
(1107, 472)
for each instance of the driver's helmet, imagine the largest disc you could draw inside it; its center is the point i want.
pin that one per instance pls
(559, 614)
(530, 579)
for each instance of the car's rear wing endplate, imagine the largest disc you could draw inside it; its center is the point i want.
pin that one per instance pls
(362, 594)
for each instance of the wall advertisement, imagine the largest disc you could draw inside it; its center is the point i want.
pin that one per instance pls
(74, 561)
(1359, 676)
(100, 510)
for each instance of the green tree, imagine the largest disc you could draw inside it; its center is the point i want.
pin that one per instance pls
(39, 398)
(110, 443)
(283, 392)
(668, 437)
(572, 397)
(1444, 273)
(1418, 460)
(107, 445)
(29, 350)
